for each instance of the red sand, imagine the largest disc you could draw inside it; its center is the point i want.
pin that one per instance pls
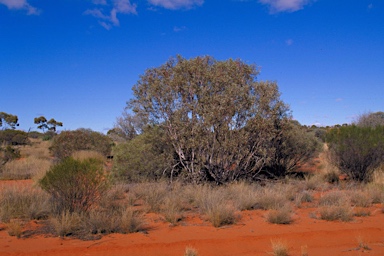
(252, 235)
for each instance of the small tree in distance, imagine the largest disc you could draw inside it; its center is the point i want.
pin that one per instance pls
(44, 124)
(9, 119)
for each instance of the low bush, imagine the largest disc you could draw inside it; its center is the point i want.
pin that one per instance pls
(13, 137)
(294, 146)
(357, 151)
(75, 185)
(67, 142)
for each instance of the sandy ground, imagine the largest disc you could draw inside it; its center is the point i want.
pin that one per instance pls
(251, 235)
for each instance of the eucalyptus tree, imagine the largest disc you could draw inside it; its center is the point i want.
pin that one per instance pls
(8, 119)
(50, 125)
(219, 119)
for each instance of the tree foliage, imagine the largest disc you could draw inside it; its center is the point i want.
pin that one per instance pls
(145, 157)
(371, 119)
(8, 119)
(50, 125)
(220, 121)
(356, 150)
(127, 127)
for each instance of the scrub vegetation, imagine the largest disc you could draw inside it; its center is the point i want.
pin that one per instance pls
(201, 137)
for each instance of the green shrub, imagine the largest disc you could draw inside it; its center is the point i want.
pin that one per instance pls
(13, 137)
(293, 147)
(143, 158)
(67, 142)
(75, 185)
(357, 151)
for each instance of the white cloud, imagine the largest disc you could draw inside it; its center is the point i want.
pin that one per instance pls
(20, 5)
(119, 6)
(179, 29)
(102, 2)
(289, 42)
(176, 4)
(285, 5)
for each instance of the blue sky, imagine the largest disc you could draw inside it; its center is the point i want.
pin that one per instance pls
(77, 60)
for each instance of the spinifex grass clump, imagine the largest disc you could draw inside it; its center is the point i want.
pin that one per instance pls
(23, 203)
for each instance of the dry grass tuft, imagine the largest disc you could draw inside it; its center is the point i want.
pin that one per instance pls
(360, 198)
(27, 168)
(375, 192)
(334, 198)
(172, 208)
(271, 198)
(38, 149)
(303, 197)
(23, 202)
(279, 248)
(15, 228)
(67, 224)
(280, 216)
(363, 245)
(243, 195)
(86, 154)
(361, 212)
(153, 194)
(304, 250)
(213, 203)
(190, 251)
(336, 212)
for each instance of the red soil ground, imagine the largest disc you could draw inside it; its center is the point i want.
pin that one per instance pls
(251, 235)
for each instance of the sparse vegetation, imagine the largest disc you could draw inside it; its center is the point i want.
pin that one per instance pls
(336, 212)
(23, 203)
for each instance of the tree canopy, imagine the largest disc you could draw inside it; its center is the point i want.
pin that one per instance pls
(8, 119)
(49, 125)
(220, 121)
